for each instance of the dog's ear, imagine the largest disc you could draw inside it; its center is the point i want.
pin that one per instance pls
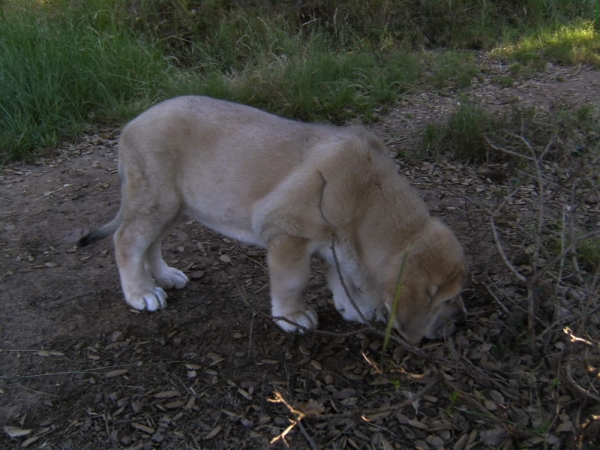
(451, 285)
(412, 313)
(349, 179)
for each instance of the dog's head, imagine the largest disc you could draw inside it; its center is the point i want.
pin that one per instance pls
(430, 302)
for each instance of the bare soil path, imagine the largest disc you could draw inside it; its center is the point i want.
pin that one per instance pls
(79, 370)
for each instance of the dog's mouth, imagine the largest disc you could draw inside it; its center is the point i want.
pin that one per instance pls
(443, 327)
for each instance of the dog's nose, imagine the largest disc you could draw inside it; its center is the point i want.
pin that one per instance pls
(460, 318)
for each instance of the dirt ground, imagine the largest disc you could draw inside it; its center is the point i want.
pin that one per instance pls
(80, 370)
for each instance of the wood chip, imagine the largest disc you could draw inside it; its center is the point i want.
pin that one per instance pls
(461, 443)
(497, 396)
(565, 427)
(50, 353)
(116, 373)
(167, 394)
(489, 405)
(30, 441)
(15, 432)
(190, 403)
(304, 350)
(193, 366)
(144, 428)
(174, 405)
(245, 394)
(434, 441)
(213, 433)
(417, 424)
(216, 359)
(197, 275)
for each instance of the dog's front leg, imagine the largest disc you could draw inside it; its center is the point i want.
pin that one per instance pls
(289, 271)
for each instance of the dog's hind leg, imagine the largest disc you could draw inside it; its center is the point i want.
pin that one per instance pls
(132, 241)
(165, 276)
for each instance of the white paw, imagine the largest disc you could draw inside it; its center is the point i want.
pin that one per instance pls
(307, 319)
(350, 314)
(381, 314)
(172, 278)
(150, 300)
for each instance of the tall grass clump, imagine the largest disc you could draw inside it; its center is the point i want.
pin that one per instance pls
(576, 42)
(474, 134)
(349, 24)
(66, 63)
(59, 68)
(462, 135)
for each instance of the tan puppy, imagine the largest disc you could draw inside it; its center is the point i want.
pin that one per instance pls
(285, 186)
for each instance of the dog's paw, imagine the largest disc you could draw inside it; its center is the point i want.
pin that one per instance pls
(171, 279)
(350, 314)
(149, 300)
(307, 319)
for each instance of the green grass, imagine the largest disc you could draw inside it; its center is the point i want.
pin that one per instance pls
(465, 133)
(65, 64)
(462, 135)
(588, 253)
(577, 42)
(56, 74)
(453, 69)
(504, 81)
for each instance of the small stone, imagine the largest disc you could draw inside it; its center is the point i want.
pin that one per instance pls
(489, 405)
(117, 336)
(434, 441)
(591, 199)
(316, 364)
(197, 275)
(137, 407)
(157, 437)
(116, 373)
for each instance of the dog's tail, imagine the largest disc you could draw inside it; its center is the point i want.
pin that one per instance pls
(101, 233)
